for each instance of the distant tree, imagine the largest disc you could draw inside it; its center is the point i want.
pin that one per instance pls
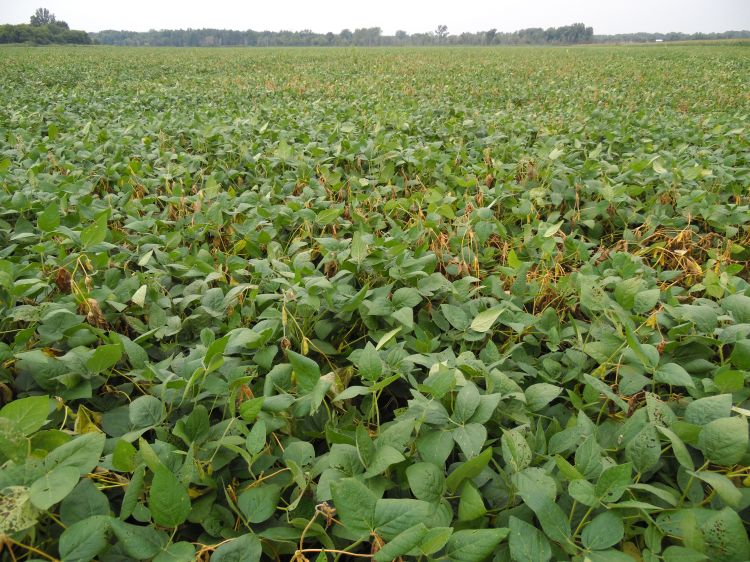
(466, 38)
(360, 36)
(401, 36)
(42, 34)
(42, 16)
(489, 36)
(367, 36)
(441, 32)
(345, 37)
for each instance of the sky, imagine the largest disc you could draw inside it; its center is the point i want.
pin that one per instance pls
(606, 16)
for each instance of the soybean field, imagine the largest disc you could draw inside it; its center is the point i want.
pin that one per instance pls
(455, 304)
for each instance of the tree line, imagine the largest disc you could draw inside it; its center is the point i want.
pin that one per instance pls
(44, 28)
(577, 33)
(363, 37)
(672, 36)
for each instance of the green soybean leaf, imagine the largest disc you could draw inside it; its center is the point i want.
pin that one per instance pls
(82, 452)
(393, 516)
(27, 414)
(168, 500)
(644, 450)
(401, 543)
(306, 371)
(369, 363)
(139, 541)
(552, 518)
(583, 492)
(467, 401)
(604, 530)
(177, 552)
(426, 480)
(470, 438)
(365, 446)
(470, 505)
(105, 357)
(213, 302)
(455, 316)
(468, 469)
(539, 395)
(473, 545)
(49, 219)
(673, 374)
(146, 411)
(259, 504)
(708, 409)
(724, 487)
(434, 540)
(724, 441)
(608, 556)
(132, 492)
(738, 306)
(383, 458)
(256, 438)
(646, 300)
(678, 448)
(516, 451)
(725, 537)
(527, 543)
(613, 482)
(250, 409)
(139, 297)
(86, 500)
(246, 548)
(355, 504)
(85, 539)
(54, 486)
(96, 232)
(484, 320)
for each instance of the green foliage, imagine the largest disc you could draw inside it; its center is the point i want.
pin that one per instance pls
(43, 34)
(486, 305)
(373, 36)
(168, 500)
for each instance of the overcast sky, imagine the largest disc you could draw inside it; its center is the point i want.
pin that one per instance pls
(606, 16)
